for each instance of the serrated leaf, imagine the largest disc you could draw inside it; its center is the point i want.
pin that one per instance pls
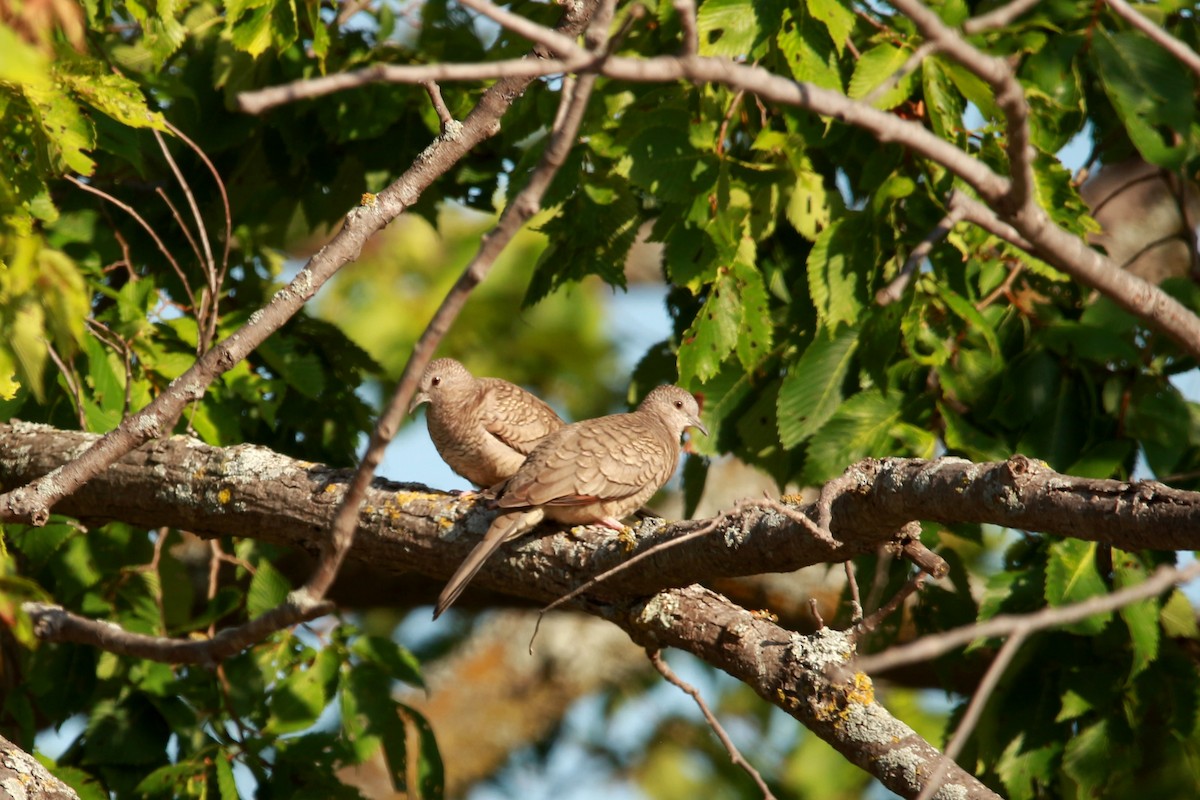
(225, 782)
(1088, 758)
(862, 426)
(370, 717)
(1141, 617)
(967, 312)
(1022, 767)
(268, 588)
(809, 51)
(726, 27)
(836, 279)
(837, 18)
(712, 335)
(28, 343)
(65, 129)
(1072, 577)
(812, 388)
(756, 330)
(809, 209)
(666, 163)
(117, 96)
(876, 66)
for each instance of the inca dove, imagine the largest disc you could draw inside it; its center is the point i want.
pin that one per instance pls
(482, 427)
(598, 470)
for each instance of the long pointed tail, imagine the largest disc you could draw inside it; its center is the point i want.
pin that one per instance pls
(504, 527)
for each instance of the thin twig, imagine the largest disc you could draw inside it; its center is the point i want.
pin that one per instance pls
(883, 562)
(974, 710)
(998, 17)
(934, 645)
(895, 290)
(439, 105)
(524, 205)
(686, 9)
(721, 131)
(856, 609)
(1159, 36)
(734, 754)
(872, 622)
(224, 200)
(55, 623)
(72, 385)
(128, 209)
(977, 213)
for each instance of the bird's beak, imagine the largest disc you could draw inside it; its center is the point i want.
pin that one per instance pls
(698, 425)
(418, 399)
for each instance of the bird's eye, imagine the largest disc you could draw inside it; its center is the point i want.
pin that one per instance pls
(679, 404)
(436, 381)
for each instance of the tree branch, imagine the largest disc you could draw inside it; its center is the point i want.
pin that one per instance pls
(33, 503)
(1160, 37)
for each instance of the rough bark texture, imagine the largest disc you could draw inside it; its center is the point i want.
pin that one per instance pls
(405, 528)
(23, 778)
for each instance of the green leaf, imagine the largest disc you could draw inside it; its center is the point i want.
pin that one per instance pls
(1023, 766)
(225, 782)
(837, 271)
(862, 426)
(1141, 617)
(370, 718)
(115, 95)
(300, 698)
(1072, 577)
(1179, 616)
(963, 437)
(876, 66)
(756, 328)
(812, 388)
(809, 209)
(1088, 759)
(712, 335)
(808, 51)
(837, 17)
(665, 162)
(396, 661)
(727, 27)
(1149, 92)
(268, 588)
(65, 129)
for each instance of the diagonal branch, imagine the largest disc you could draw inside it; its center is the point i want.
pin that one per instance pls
(524, 205)
(33, 503)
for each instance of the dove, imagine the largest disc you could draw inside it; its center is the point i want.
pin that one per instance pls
(595, 471)
(483, 428)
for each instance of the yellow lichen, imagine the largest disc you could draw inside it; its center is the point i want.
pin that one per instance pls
(224, 496)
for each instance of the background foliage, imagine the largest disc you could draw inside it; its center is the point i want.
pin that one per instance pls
(777, 229)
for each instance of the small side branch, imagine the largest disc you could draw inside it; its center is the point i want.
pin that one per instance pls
(52, 623)
(735, 755)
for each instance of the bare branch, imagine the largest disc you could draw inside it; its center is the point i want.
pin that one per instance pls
(735, 755)
(1160, 37)
(895, 290)
(974, 710)
(53, 623)
(998, 17)
(971, 210)
(439, 105)
(686, 9)
(524, 205)
(128, 209)
(887, 609)
(72, 385)
(32, 503)
(1009, 96)
(934, 645)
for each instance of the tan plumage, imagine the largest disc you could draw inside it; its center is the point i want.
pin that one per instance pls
(482, 427)
(595, 471)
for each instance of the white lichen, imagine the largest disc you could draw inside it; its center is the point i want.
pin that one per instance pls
(660, 610)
